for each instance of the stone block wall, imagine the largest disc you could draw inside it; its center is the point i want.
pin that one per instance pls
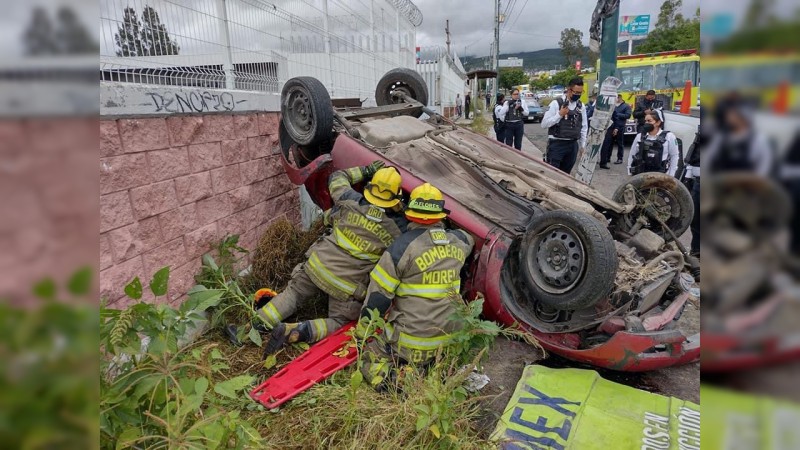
(172, 187)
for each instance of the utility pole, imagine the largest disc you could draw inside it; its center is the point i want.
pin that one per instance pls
(497, 47)
(447, 32)
(608, 47)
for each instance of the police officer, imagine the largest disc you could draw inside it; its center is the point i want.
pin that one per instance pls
(567, 126)
(499, 124)
(692, 180)
(739, 147)
(512, 113)
(339, 263)
(643, 107)
(654, 149)
(413, 282)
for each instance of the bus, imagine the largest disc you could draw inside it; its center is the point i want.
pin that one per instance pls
(758, 77)
(664, 72)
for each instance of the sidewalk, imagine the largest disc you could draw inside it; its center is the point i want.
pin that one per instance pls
(527, 145)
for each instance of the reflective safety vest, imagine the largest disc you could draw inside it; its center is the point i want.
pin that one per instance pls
(340, 262)
(420, 271)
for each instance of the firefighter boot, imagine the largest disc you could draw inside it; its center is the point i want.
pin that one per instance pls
(287, 333)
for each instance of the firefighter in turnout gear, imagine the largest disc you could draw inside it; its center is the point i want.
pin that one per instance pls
(413, 282)
(655, 149)
(338, 264)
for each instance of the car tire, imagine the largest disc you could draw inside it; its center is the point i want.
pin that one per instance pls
(406, 80)
(568, 260)
(306, 111)
(663, 192)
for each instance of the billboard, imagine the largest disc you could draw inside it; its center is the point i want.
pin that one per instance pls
(634, 25)
(510, 62)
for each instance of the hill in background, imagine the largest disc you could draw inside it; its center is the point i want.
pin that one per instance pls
(550, 58)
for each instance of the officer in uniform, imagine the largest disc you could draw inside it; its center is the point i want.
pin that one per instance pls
(567, 126)
(655, 149)
(340, 262)
(414, 281)
(643, 107)
(499, 124)
(512, 113)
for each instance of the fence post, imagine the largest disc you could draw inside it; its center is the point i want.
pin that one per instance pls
(225, 37)
(331, 85)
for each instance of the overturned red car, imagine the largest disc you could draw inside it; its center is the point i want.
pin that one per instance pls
(595, 279)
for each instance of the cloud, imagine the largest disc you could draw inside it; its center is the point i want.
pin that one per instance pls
(532, 25)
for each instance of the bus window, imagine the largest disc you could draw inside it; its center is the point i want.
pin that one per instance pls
(674, 75)
(636, 78)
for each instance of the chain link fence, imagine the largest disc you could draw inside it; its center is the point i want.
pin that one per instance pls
(255, 45)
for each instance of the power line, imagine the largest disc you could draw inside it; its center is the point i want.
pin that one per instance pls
(510, 27)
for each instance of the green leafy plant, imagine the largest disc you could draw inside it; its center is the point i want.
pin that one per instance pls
(158, 391)
(48, 367)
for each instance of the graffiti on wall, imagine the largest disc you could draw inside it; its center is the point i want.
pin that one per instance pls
(193, 102)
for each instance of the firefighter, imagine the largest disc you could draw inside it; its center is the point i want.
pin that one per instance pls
(339, 263)
(655, 149)
(413, 282)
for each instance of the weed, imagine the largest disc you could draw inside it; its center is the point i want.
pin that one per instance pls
(156, 392)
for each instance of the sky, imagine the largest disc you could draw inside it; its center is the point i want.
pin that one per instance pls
(532, 25)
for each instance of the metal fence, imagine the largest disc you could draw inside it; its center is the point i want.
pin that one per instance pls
(256, 45)
(444, 75)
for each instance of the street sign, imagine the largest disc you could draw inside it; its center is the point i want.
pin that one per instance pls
(634, 25)
(510, 62)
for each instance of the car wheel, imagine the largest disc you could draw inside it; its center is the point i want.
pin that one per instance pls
(666, 195)
(401, 79)
(568, 260)
(306, 111)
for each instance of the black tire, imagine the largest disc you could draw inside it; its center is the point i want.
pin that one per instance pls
(402, 79)
(666, 194)
(587, 247)
(306, 111)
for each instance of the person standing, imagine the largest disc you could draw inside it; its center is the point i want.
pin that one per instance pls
(499, 124)
(643, 107)
(488, 100)
(692, 177)
(590, 106)
(411, 286)
(467, 104)
(567, 127)
(615, 133)
(654, 149)
(458, 105)
(339, 263)
(512, 114)
(740, 147)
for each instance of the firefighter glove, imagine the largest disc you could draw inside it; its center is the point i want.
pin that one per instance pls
(369, 170)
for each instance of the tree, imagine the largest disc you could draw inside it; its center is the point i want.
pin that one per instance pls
(72, 36)
(510, 77)
(571, 44)
(669, 16)
(156, 41)
(38, 37)
(673, 31)
(128, 34)
(562, 78)
(542, 83)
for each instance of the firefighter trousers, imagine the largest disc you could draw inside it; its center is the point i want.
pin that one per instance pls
(301, 289)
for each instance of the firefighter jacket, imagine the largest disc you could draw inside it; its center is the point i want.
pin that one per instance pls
(339, 263)
(415, 277)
